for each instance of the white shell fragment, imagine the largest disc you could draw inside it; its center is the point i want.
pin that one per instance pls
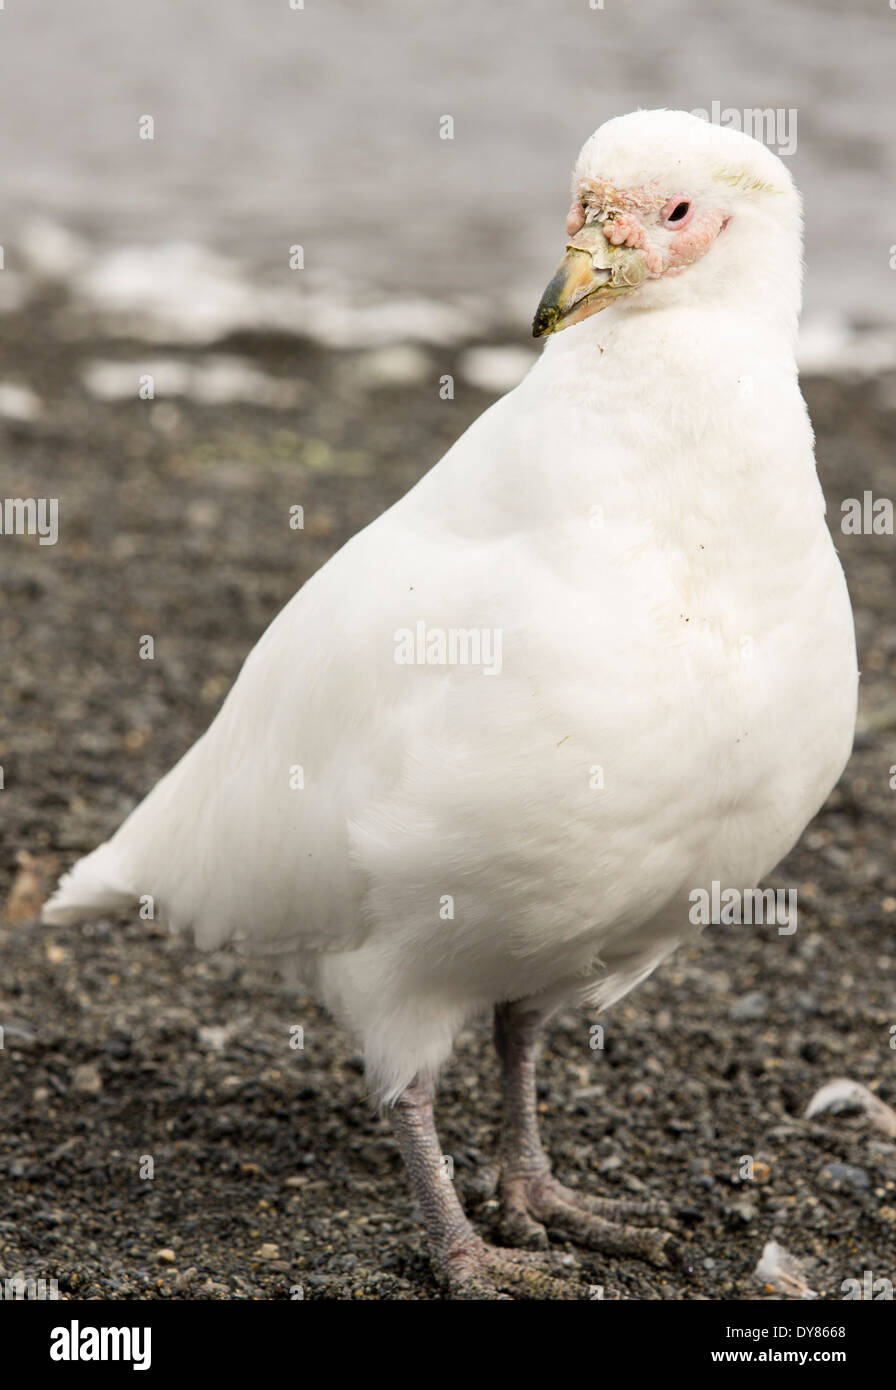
(783, 1272)
(844, 1095)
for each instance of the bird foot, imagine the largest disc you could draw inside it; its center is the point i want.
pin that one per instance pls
(535, 1204)
(472, 1269)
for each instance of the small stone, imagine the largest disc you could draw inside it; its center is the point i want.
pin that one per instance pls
(166, 1255)
(749, 1008)
(745, 1209)
(86, 1079)
(844, 1177)
(268, 1251)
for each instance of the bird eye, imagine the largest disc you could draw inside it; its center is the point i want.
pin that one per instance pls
(676, 212)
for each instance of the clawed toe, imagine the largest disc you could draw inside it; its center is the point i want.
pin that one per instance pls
(520, 1229)
(619, 1208)
(536, 1205)
(480, 1271)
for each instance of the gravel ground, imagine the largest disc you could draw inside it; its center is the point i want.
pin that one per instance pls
(269, 1169)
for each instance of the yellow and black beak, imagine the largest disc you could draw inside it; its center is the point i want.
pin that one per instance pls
(591, 275)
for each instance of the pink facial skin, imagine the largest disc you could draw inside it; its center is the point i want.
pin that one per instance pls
(689, 245)
(598, 193)
(628, 220)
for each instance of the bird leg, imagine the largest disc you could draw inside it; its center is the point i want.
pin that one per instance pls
(461, 1259)
(532, 1197)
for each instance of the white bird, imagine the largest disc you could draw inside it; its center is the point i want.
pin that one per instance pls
(599, 658)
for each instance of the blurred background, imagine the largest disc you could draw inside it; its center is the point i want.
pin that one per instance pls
(320, 126)
(178, 388)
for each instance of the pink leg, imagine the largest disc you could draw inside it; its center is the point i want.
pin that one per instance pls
(533, 1198)
(461, 1259)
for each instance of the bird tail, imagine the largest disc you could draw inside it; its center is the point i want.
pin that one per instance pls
(94, 885)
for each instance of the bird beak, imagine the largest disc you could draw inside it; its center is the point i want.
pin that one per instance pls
(591, 275)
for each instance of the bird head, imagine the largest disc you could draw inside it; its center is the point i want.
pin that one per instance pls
(667, 206)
